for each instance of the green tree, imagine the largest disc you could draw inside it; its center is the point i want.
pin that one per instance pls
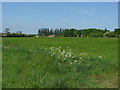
(117, 32)
(7, 30)
(19, 32)
(106, 34)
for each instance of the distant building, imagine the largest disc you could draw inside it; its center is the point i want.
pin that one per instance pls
(38, 36)
(3, 35)
(81, 35)
(51, 36)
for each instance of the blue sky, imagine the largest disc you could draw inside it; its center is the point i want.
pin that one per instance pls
(28, 17)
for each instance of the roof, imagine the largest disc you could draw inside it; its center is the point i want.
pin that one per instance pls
(51, 36)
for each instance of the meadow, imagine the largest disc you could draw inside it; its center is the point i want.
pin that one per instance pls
(59, 62)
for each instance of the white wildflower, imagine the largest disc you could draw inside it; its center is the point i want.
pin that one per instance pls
(100, 57)
(59, 63)
(5, 47)
(75, 61)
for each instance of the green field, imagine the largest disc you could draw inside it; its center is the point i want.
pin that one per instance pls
(27, 64)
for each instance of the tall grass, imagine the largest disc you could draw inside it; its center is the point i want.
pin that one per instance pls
(39, 66)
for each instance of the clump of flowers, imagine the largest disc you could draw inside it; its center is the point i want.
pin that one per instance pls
(63, 55)
(78, 62)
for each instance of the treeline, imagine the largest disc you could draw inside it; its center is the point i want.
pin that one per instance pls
(92, 32)
(7, 33)
(47, 31)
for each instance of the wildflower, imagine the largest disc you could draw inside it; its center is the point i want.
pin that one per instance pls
(59, 63)
(71, 63)
(80, 58)
(30, 50)
(5, 47)
(73, 57)
(75, 61)
(100, 57)
(88, 57)
(33, 64)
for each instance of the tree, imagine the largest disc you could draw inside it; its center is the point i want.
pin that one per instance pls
(106, 34)
(19, 32)
(7, 30)
(76, 33)
(39, 32)
(79, 32)
(66, 33)
(117, 32)
(51, 31)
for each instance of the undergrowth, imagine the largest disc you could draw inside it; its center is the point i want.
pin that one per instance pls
(42, 67)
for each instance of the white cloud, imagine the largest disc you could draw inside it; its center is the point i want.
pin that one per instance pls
(84, 11)
(89, 12)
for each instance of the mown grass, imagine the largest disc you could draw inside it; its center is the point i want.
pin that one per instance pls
(26, 65)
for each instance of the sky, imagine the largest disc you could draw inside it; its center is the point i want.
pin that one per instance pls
(28, 17)
(60, 0)
(0, 16)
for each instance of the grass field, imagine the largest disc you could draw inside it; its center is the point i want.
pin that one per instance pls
(60, 62)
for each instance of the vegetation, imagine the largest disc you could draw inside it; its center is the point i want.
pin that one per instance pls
(47, 31)
(7, 33)
(60, 62)
(92, 32)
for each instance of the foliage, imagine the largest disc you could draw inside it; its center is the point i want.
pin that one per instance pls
(91, 32)
(47, 31)
(17, 34)
(7, 30)
(117, 32)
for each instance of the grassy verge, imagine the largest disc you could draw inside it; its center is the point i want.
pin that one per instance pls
(34, 66)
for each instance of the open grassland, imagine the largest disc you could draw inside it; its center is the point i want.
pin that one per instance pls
(59, 62)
